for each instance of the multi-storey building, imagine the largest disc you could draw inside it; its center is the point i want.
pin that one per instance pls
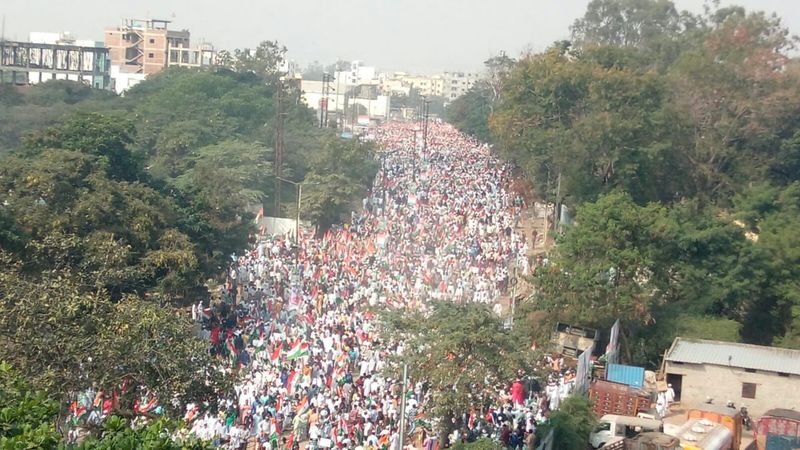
(425, 85)
(457, 84)
(143, 47)
(449, 85)
(54, 56)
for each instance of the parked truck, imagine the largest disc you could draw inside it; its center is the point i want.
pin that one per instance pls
(613, 428)
(703, 434)
(709, 427)
(616, 398)
(653, 440)
(778, 429)
(729, 417)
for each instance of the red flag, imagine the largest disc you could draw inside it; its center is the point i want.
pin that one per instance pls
(290, 441)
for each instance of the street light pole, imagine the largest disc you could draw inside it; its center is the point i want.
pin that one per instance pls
(297, 222)
(402, 427)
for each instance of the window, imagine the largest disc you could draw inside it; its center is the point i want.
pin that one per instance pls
(750, 370)
(748, 390)
(151, 55)
(152, 41)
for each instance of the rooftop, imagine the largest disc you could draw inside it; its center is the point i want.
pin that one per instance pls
(744, 356)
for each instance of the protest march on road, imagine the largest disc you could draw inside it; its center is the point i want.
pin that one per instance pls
(294, 326)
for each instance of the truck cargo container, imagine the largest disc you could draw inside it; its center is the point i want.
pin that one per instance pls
(653, 440)
(616, 398)
(729, 417)
(778, 429)
(631, 375)
(703, 434)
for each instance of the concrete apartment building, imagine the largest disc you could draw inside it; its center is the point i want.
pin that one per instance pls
(139, 48)
(54, 56)
(457, 84)
(449, 85)
(762, 378)
(426, 85)
(361, 103)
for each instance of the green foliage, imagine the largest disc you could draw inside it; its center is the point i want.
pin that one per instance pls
(339, 173)
(652, 267)
(463, 352)
(27, 421)
(62, 339)
(772, 316)
(27, 418)
(479, 444)
(44, 105)
(105, 137)
(264, 61)
(675, 135)
(470, 113)
(571, 424)
(117, 434)
(114, 235)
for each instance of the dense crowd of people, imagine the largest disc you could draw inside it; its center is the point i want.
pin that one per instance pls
(439, 224)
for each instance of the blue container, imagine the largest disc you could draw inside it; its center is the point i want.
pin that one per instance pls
(630, 375)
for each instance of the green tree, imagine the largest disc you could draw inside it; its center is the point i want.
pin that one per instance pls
(117, 236)
(106, 137)
(771, 317)
(647, 266)
(571, 424)
(462, 351)
(264, 61)
(340, 173)
(27, 417)
(654, 28)
(470, 113)
(118, 434)
(734, 136)
(64, 339)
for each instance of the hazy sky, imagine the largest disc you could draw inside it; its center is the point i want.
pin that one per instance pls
(412, 35)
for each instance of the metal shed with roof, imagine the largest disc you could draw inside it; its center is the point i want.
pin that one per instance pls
(760, 377)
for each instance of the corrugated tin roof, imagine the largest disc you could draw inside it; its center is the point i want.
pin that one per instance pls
(745, 356)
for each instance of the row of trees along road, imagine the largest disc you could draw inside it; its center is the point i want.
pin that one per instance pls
(115, 211)
(677, 138)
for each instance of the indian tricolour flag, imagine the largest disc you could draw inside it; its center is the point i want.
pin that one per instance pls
(292, 382)
(299, 349)
(275, 358)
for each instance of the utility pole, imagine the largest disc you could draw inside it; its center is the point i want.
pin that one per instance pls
(402, 430)
(339, 117)
(557, 211)
(328, 88)
(279, 148)
(514, 293)
(426, 110)
(322, 105)
(299, 202)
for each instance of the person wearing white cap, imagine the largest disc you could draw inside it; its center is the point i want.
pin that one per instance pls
(670, 395)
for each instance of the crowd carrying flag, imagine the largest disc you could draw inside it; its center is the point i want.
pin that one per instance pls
(298, 350)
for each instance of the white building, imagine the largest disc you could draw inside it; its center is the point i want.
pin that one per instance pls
(341, 98)
(358, 74)
(457, 84)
